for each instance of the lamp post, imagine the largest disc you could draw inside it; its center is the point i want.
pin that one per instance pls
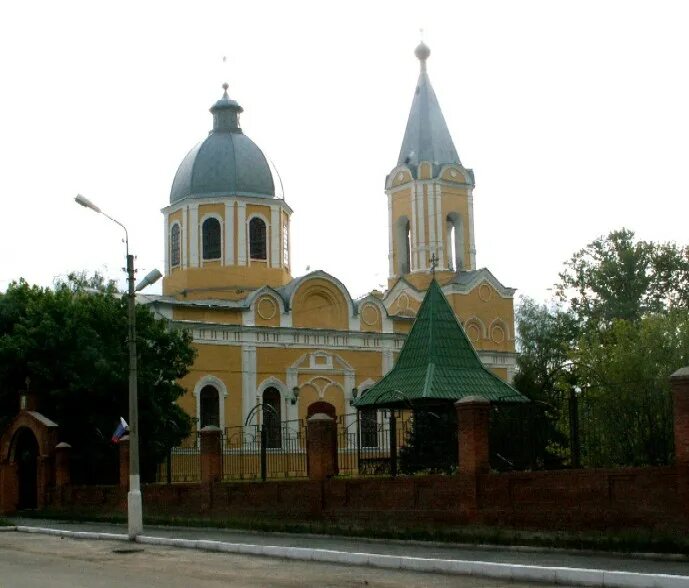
(134, 504)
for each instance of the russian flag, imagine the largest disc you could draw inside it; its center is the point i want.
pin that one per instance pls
(121, 429)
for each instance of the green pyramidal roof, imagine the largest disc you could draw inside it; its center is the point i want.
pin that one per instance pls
(437, 363)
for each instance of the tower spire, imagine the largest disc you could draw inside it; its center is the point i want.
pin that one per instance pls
(426, 137)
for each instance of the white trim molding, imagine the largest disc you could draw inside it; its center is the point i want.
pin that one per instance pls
(219, 385)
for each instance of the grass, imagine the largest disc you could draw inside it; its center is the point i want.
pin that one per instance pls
(624, 541)
(5, 523)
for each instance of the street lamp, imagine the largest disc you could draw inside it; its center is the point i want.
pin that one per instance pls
(134, 506)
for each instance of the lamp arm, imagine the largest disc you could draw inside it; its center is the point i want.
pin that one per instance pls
(126, 233)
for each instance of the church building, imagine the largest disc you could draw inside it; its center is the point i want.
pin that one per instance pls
(301, 344)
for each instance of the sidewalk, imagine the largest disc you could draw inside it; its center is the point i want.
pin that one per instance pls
(517, 563)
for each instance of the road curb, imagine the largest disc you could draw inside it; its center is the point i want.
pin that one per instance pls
(502, 571)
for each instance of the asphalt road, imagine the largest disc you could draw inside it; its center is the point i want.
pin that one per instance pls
(28, 560)
(555, 558)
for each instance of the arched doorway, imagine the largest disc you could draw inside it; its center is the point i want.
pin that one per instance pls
(272, 417)
(320, 406)
(210, 407)
(26, 459)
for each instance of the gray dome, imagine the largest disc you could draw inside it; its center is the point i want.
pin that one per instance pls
(226, 163)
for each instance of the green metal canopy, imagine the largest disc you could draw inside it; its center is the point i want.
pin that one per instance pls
(437, 364)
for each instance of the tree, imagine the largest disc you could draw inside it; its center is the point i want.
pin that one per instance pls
(619, 277)
(626, 417)
(71, 341)
(616, 337)
(545, 336)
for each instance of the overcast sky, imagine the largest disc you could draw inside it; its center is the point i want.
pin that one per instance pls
(574, 117)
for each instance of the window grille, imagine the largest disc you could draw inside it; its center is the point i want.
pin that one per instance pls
(211, 238)
(257, 238)
(175, 250)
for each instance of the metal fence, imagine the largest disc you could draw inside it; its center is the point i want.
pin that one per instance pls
(583, 429)
(183, 464)
(575, 430)
(273, 450)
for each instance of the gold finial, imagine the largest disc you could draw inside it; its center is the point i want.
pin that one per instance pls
(422, 52)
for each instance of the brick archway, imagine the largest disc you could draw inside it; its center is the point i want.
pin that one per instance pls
(36, 437)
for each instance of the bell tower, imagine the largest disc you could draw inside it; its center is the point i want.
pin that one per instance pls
(430, 195)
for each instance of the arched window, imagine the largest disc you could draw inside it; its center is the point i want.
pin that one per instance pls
(403, 246)
(175, 248)
(210, 407)
(454, 241)
(257, 238)
(272, 417)
(211, 238)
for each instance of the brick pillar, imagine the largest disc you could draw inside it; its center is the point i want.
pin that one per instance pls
(679, 382)
(473, 414)
(211, 454)
(321, 447)
(62, 474)
(3, 499)
(124, 461)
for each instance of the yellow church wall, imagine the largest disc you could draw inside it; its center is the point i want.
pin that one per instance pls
(175, 217)
(494, 312)
(309, 394)
(501, 373)
(223, 362)
(401, 177)
(215, 209)
(370, 318)
(456, 200)
(401, 206)
(425, 171)
(419, 280)
(207, 315)
(401, 326)
(404, 303)
(213, 281)
(447, 175)
(318, 304)
(267, 312)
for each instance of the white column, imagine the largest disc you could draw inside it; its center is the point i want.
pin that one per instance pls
(166, 240)
(387, 360)
(435, 190)
(349, 383)
(194, 235)
(414, 253)
(472, 244)
(229, 233)
(291, 381)
(391, 241)
(421, 219)
(432, 240)
(241, 233)
(184, 237)
(248, 380)
(275, 231)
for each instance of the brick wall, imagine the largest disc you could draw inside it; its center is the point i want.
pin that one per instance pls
(567, 499)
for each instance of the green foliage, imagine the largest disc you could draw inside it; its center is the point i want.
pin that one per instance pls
(431, 442)
(619, 332)
(71, 341)
(626, 373)
(618, 277)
